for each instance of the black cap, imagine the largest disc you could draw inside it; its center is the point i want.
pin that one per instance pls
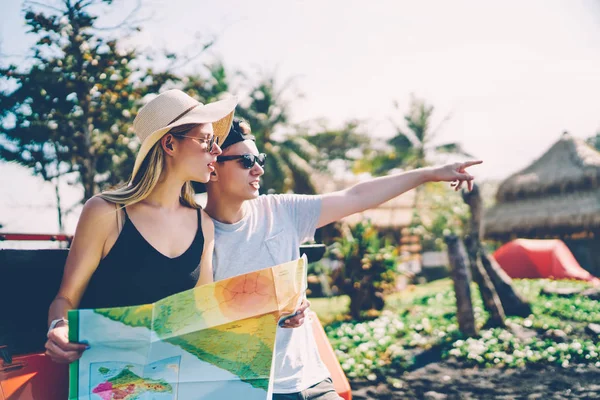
(240, 131)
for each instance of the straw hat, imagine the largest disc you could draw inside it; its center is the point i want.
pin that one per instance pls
(175, 108)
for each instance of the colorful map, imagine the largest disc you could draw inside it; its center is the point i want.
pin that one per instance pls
(118, 380)
(212, 342)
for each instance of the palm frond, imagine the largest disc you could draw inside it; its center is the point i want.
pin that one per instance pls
(452, 148)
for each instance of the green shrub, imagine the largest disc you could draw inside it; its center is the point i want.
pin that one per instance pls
(369, 268)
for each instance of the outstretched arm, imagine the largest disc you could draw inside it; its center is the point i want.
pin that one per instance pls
(372, 193)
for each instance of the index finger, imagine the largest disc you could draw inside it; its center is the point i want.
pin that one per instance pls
(467, 164)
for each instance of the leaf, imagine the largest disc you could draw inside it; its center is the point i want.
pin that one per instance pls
(452, 148)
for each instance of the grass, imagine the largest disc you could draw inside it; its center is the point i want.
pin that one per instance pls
(423, 318)
(332, 309)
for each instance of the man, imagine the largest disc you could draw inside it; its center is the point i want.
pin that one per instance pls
(254, 232)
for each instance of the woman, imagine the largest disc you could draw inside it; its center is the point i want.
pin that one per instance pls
(144, 241)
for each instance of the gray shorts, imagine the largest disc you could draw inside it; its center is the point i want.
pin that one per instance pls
(323, 390)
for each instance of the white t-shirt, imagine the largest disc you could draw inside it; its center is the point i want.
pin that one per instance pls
(270, 233)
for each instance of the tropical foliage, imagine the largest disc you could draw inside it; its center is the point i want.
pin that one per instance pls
(555, 334)
(369, 268)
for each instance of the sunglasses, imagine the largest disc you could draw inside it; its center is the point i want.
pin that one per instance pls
(248, 160)
(211, 141)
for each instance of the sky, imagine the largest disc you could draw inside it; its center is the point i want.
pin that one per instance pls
(511, 75)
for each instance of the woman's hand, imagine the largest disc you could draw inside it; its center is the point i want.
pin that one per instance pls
(455, 173)
(58, 347)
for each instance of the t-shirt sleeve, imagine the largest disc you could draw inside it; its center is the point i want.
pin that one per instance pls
(304, 210)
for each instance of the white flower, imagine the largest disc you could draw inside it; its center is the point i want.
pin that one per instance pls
(563, 346)
(455, 352)
(133, 145)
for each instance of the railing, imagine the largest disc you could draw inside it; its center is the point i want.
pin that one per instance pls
(39, 237)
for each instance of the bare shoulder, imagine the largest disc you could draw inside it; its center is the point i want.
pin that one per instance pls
(208, 226)
(206, 219)
(98, 213)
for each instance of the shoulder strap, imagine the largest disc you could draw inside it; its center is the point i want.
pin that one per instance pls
(118, 210)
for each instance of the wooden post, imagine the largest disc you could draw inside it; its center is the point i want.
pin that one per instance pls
(473, 200)
(462, 289)
(490, 298)
(510, 301)
(487, 290)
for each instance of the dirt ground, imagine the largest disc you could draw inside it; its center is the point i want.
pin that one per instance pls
(450, 380)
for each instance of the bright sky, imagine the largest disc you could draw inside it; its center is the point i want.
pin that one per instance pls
(512, 74)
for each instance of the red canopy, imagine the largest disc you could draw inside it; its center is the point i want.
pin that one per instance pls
(529, 258)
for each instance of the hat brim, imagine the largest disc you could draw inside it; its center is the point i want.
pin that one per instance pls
(219, 113)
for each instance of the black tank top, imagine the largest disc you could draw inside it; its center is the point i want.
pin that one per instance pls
(133, 272)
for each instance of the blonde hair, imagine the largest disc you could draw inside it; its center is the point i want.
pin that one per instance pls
(148, 176)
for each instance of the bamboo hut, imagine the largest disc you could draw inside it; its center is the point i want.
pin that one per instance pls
(558, 196)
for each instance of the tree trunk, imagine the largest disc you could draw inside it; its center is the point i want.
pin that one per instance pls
(358, 297)
(490, 298)
(488, 293)
(87, 174)
(510, 301)
(462, 289)
(473, 200)
(61, 228)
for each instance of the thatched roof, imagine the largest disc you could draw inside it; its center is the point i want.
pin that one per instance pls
(559, 194)
(556, 215)
(569, 165)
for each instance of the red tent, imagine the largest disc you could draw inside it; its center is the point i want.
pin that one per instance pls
(529, 258)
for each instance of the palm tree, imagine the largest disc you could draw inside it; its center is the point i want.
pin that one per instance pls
(288, 160)
(413, 146)
(346, 144)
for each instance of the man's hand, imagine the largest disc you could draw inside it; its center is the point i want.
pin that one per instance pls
(58, 347)
(298, 318)
(455, 173)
